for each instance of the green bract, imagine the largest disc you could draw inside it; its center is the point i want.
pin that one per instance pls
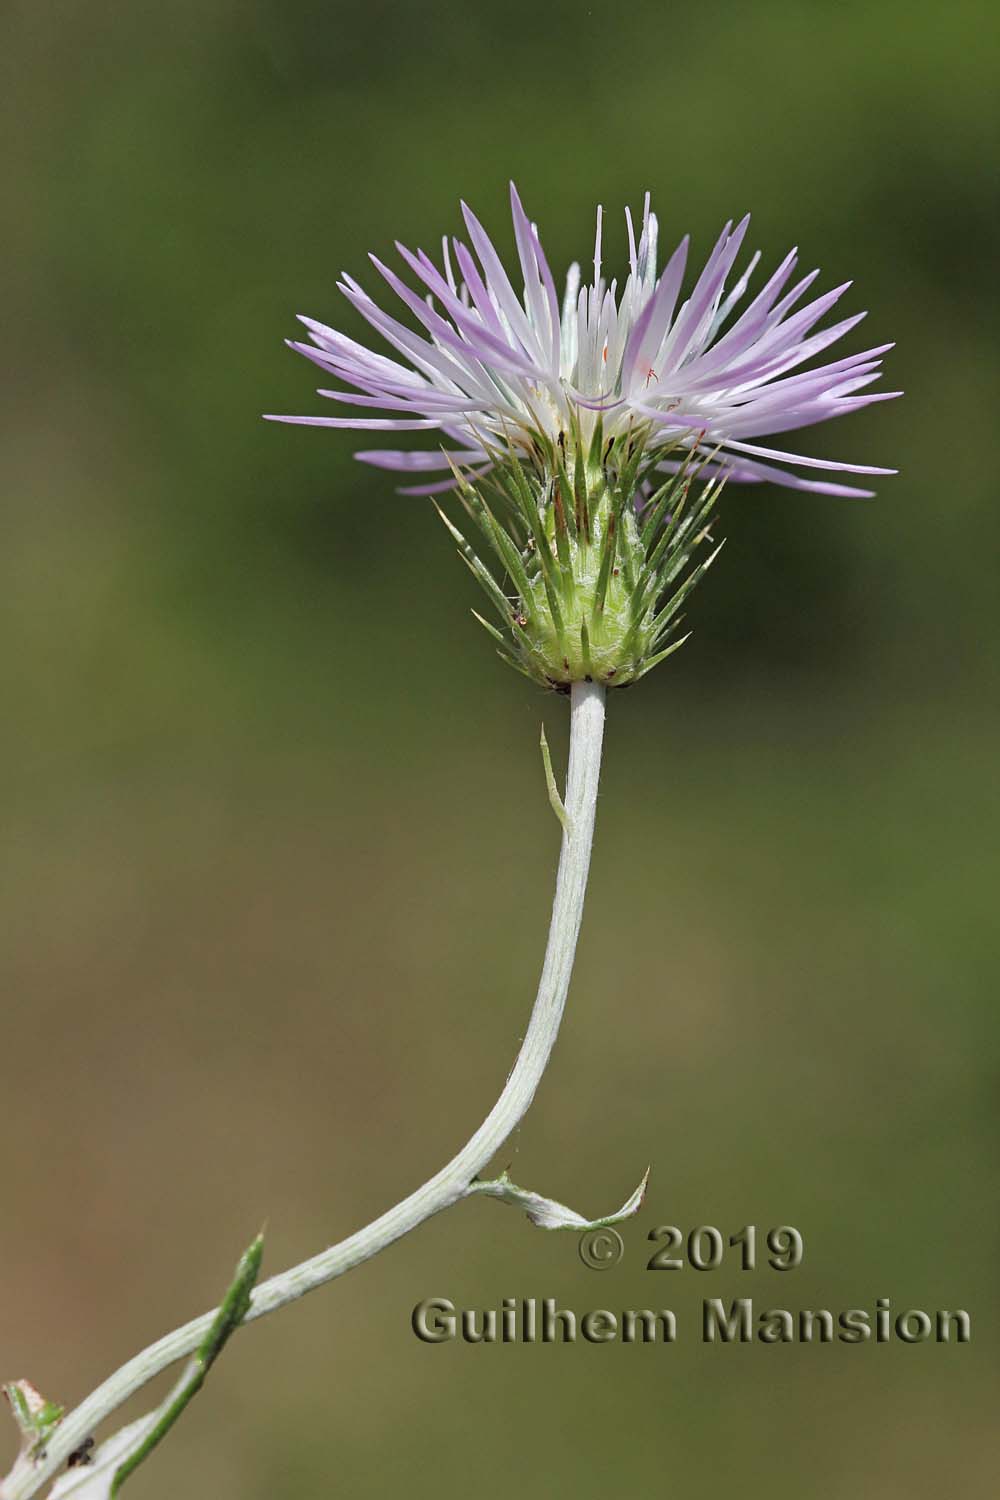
(593, 575)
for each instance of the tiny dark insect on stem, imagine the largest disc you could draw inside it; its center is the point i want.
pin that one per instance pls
(81, 1455)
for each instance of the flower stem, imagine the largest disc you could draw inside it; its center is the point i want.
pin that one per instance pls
(448, 1185)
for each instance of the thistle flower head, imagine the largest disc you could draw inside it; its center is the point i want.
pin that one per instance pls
(572, 431)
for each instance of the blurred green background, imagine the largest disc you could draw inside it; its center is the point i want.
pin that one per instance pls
(277, 857)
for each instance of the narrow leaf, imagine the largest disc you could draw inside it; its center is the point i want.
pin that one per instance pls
(546, 1213)
(557, 804)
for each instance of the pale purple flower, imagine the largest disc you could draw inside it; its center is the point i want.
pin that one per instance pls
(494, 369)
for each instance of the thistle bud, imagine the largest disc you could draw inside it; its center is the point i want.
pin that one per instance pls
(600, 559)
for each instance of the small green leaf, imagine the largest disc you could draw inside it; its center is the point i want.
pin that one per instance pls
(557, 804)
(35, 1415)
(233, 1310)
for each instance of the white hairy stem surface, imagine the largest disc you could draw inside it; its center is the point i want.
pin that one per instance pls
(448, 1185)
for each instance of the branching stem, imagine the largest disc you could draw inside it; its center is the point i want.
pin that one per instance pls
(448, 1185)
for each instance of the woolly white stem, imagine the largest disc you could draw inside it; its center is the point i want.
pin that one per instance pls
(447, 1186)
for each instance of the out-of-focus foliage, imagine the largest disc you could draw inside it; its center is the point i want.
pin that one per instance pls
(277, 849)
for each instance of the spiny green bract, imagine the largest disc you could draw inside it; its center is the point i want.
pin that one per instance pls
(590, 577)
